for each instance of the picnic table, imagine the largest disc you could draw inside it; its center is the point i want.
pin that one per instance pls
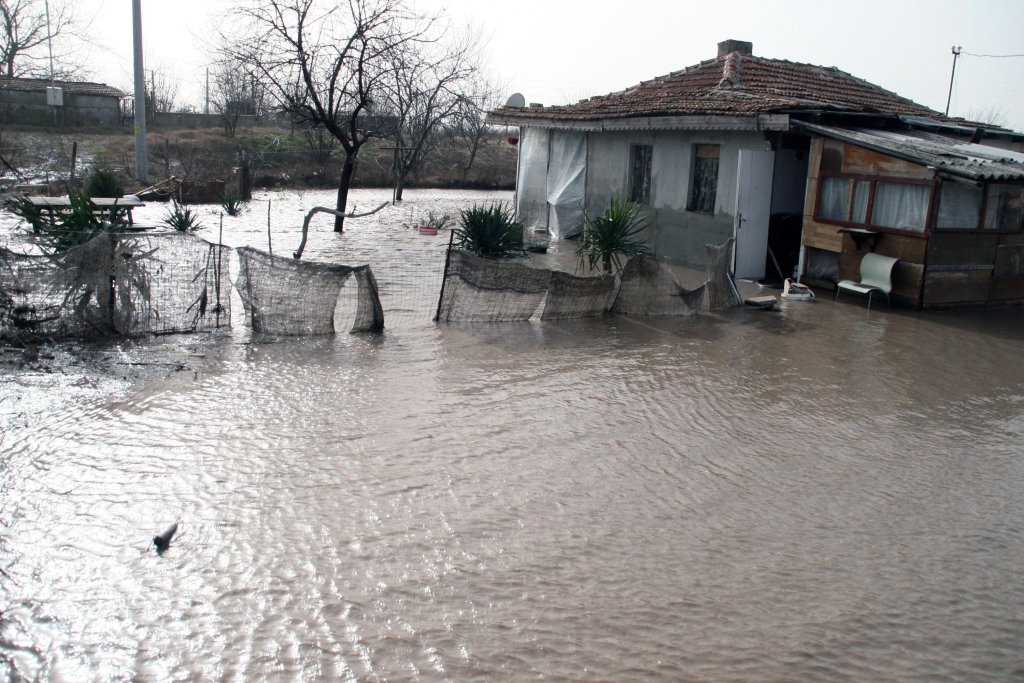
(115, 208)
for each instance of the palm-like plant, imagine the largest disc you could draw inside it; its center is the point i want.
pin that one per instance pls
(232, 203)
(489, 230)
(182, 218)
(611, 235)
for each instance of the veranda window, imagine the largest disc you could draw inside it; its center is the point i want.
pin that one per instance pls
(892, 203)
(959, 205)
(1004, 209)
(900, 205)
(844, 199)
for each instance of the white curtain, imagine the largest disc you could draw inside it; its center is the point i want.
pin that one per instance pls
(900, 205)
(531, 191)
(859, 209)
(833, 198)
(566, 165)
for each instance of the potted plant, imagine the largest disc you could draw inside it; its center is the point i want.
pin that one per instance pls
(432, 223)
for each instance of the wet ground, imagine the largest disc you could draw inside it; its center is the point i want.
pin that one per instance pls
(814, 493)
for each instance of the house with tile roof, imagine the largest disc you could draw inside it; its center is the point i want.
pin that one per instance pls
(808, 167)
(36, 101)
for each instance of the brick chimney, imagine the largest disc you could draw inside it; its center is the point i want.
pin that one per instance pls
(727, 46)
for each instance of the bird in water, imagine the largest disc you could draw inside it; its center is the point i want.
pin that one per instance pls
(163, 541)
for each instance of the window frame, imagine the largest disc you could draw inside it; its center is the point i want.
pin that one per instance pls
(691, 204)
(982, 212)
(872, 183)
(646, 177)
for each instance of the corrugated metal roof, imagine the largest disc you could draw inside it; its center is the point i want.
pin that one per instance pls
(70, 87)
(734, 84)
(946, 154)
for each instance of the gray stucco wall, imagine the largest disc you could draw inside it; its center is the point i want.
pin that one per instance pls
(30, 108)
(676, 233)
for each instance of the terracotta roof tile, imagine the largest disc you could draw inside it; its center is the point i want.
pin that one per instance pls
(70, 87)
(736, 85)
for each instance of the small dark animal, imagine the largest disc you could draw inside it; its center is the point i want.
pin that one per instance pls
(163, 541)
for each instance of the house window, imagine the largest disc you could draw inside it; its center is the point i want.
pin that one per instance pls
(640, 173)
(1003, 207)
(705, 178)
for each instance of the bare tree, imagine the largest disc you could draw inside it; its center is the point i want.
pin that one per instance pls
(993, 115)
(23, 38)
(229, 91)
(470, 128)
(323, 62)
(162, 93)
(424, 89)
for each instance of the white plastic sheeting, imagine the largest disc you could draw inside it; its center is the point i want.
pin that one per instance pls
(567, 160)
(531, 193)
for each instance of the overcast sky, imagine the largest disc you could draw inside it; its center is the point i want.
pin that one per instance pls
(555, 51)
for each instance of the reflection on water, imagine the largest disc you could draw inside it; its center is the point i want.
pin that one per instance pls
(816, 493)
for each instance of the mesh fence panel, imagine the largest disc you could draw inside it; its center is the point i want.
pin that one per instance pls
(721, 294)
(648, 287)
(285, 296)
(170, 283)
(369, 312)
(482, 290)
(115, 284)
(570, 296)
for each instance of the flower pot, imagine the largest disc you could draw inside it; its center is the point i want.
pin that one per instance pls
(427, 230)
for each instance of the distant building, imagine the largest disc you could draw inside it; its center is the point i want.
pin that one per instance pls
(808, 167)
(25, 101)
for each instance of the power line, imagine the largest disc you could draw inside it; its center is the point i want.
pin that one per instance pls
(971, 54)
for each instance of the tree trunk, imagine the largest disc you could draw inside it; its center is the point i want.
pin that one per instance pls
(399, 185)
(347, 171)
(606, 261)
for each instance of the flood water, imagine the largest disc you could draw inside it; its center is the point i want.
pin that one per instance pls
(816, 493)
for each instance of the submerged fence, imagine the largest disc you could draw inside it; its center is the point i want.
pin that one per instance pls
(129, 284)
(484, 290)
(132, 284)
(116, 284)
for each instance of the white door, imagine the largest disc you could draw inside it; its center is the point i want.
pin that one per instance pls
(753, 209)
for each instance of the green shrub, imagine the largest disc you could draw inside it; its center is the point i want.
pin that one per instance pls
(24, 209)
(103, 183)
(489, 230)
(611, 235)
(182, 218)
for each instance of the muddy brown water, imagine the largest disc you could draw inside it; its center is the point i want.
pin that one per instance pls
(815, 493)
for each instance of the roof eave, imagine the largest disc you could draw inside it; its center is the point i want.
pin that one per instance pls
(748, 122)
(974, 175)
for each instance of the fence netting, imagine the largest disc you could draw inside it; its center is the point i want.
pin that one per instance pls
(483, 290)
(123, 284)
(285, 296)
(486, 290)
(648, 287)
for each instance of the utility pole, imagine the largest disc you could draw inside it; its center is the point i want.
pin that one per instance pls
(956, 53)
(141, 172)
(206, 109)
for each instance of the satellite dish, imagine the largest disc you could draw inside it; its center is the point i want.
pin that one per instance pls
(516, 100)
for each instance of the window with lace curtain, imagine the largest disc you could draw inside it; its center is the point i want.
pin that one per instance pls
(888, 203)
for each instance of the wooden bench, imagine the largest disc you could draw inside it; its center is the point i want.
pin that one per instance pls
(875, 275)
(115, 208)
